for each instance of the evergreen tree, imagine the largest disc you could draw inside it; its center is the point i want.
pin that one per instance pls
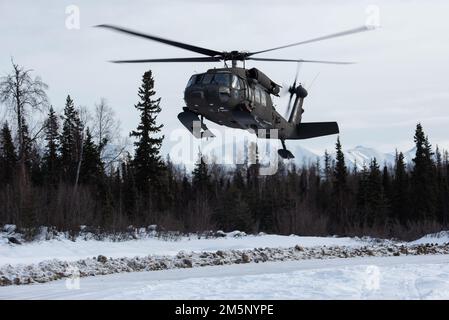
(27, 146)
(51, 157)
(386, 186)
(442, 189)
(340, 172)
(70, 141)
(327, 166)
(8, 156)
(129, 190)
(376, 205)
(340, 190)
(232, 212)
(147, 160)
(400, 195)
(91, 166)
(423, 178)
(362, 195)
(386, 181)
(201, 176)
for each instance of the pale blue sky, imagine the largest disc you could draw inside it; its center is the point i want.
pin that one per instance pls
(401, 76)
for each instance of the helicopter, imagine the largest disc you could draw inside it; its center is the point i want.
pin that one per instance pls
(241, 98)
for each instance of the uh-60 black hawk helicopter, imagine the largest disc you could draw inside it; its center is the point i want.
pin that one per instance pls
(241, 98)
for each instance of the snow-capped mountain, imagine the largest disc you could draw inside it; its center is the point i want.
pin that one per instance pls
(362, 156)
(236, 151)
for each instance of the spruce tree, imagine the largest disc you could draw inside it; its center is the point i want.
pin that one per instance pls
(339, 216)
(386, 186)
(8, 156)
(201, 176)
(400, 202)
(445, 188)
(147, 160)
(232, 212)
(423, 178)
(340, 171)
(442, 187)
(91, 166)
(327, 166)
(362, 195)
(51, 157)
(27, 146)
(376, 205)
(70, 141)
(129, 190)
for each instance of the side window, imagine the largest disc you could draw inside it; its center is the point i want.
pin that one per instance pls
(241, 84)
(198, 78)
(235, 82)
(251, 94)
(257, 98)
(191, 81)
(263, 99)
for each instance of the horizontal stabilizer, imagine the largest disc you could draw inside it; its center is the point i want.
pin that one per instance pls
(306, 130)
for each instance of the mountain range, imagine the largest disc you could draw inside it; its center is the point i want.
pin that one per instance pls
(358, 156)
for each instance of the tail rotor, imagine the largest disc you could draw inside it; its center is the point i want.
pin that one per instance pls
(292, 90)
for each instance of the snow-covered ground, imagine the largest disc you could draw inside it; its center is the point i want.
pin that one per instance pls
(67, 250)
(233, 266)
(405, 277)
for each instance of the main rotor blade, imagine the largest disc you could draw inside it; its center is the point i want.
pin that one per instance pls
(196, 59)
(300, 60)
(330, 36)
(181, 45)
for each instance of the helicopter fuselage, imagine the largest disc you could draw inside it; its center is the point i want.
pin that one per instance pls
(236, 98)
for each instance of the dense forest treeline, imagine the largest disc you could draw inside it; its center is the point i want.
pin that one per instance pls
(67, 172)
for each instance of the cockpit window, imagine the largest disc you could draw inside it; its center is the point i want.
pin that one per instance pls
(222, 79)
(207, 78)
(198, 79)
(235, 82)
(195, 79)
(192, 80)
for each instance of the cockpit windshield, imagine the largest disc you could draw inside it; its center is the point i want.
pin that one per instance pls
(221, 79)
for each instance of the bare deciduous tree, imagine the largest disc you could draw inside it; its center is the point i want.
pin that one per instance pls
(22, 94)
(106, 131)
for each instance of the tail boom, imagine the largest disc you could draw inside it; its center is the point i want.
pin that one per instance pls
(307, 130)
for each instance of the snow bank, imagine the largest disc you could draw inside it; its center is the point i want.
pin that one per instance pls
(55, 269)
(63, 249)
(54, 255)
(439, 238)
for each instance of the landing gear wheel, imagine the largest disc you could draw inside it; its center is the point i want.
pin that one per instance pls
(284, 153)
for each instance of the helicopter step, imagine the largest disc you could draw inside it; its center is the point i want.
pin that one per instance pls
(196, 126)
(284, 153)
